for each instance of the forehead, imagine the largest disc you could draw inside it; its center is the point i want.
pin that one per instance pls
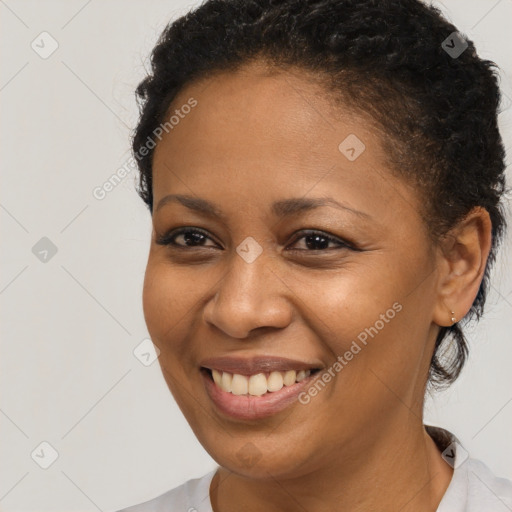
(257, 133)
(263, 107)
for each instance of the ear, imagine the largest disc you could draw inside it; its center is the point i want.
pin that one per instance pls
(461, 259)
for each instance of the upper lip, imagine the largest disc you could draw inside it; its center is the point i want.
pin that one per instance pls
(256, 364)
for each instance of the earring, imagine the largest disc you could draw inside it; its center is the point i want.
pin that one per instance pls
(453, 317)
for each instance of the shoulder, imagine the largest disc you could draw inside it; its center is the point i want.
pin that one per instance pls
(474, 487)
(192, 496)
(486, 491)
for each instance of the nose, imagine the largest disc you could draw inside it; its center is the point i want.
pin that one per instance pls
(250, 296)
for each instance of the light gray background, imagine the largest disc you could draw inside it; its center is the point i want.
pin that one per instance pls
(69, 325)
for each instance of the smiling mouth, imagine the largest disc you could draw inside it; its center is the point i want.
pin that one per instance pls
(258, 384)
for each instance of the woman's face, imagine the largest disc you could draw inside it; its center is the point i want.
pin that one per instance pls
(251, 293)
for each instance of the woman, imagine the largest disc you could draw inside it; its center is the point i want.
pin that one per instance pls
(324, 179)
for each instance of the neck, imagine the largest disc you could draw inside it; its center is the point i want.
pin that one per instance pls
(402, 469)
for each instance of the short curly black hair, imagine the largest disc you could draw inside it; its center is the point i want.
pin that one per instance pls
(437, 111)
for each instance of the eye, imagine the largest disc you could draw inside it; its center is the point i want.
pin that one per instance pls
(192, 237)
(318, 241)
(195, 237)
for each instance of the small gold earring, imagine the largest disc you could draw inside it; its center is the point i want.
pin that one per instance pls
(453, 316)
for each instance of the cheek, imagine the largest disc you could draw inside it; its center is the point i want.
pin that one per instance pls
(168, 298)
(167, 302)
(157, 302)
(373, 326)
(344, 305)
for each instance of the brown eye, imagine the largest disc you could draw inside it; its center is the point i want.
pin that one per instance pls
(318, 241)
(192, 237)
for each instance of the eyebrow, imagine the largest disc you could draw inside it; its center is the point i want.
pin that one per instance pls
(283, 208)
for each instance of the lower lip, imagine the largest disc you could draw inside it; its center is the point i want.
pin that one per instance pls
(248, 407)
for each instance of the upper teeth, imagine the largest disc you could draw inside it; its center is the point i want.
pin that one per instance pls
(258, 384)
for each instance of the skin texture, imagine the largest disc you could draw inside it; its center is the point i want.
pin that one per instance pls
(255, 137)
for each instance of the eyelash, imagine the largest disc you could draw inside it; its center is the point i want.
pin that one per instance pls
(168, 239)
